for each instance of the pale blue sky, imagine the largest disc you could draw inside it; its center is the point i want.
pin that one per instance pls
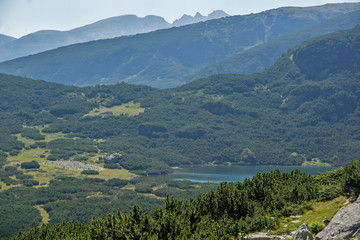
(20, 17)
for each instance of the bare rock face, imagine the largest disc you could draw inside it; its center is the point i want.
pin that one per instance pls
(345, 223)
(303, 233)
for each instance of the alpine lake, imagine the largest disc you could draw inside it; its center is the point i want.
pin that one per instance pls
(217, 174)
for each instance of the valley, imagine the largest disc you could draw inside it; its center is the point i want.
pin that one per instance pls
(100, 160)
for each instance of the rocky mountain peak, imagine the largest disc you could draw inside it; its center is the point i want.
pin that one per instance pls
(188, 19)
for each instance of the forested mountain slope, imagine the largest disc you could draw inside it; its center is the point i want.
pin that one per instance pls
(187, 19)
(303, 109)
(166, 58)
(258, 58)
(5, 39)
(108, 28)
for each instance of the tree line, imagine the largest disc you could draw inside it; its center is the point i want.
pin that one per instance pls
(230, 211)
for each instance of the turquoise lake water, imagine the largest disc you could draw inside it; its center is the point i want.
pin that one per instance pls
(218, 174)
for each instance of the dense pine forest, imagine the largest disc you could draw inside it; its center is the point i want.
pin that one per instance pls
(229, 212)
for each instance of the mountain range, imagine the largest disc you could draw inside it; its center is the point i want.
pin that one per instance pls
(74, 153)
(168, 57)
(188, 19)
(5, 39)
(108, 28)
(304, 108)
(258, 58)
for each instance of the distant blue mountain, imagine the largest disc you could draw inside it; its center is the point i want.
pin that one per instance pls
(169, 57)
(5, 39)
(187, 19)
(108, 28)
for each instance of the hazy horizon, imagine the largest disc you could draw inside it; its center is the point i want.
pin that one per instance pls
(21, 17)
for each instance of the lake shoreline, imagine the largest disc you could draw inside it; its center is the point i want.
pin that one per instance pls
(234, 173)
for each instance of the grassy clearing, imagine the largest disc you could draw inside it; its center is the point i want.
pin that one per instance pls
(316, 162)
(5, 187)
(28, 155)
(44, 214)
(129, 187)
(53, 136)
(323, 210)
(291, 57)
(129, 109)
(48, 136)
(48, 172)
(26, 141)
(96, 195)
(114, 173)
(320, 211)
(151, 195)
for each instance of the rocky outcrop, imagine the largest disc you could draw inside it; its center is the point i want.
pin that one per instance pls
(303, 233)
(258, 236)
(187, 19)
(345, 223)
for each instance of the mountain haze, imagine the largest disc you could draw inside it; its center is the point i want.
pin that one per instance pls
(187, 19)
(167, 58)
(5, 39)
(108, 28)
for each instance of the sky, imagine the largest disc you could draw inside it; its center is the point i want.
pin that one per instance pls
(21, 17)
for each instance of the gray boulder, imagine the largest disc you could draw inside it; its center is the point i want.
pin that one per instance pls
(265, 236)
(303, 233)
(345, 223)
